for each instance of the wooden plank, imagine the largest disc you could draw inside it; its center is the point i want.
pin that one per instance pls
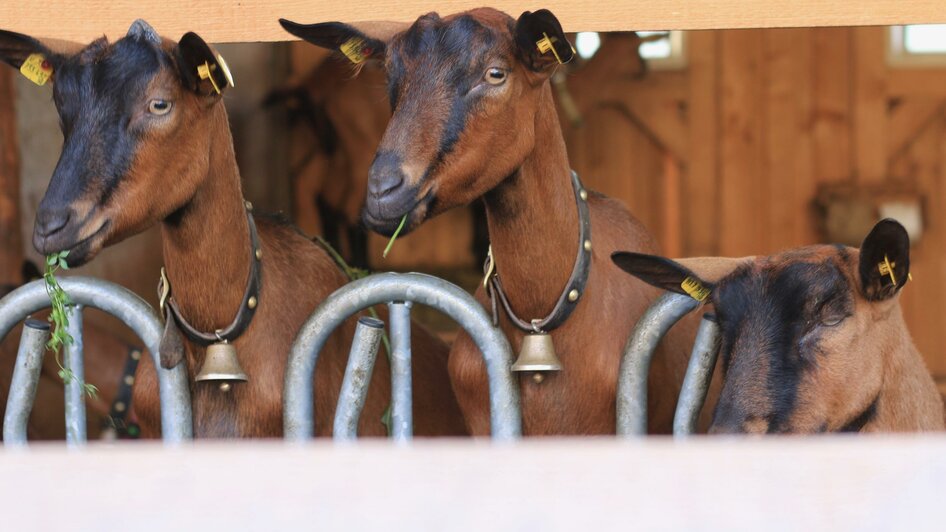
(909, 119)
(831, 105)
(11, 242)
(701, 181)
(743, 204)
(924, 299)
(910, 82)
(788, 152)
(829, 482)
(870, 105)
(255, 20)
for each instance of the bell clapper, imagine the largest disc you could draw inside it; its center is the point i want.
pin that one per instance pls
(224, 387)
(538, 377)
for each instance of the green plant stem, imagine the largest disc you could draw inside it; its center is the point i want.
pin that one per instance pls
(59, 336)
(394, 237)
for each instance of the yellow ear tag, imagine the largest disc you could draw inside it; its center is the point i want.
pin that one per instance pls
(355, 50)
(886, 268)
(545, 44)
(204, 72)
(695, 289)
(37, 69)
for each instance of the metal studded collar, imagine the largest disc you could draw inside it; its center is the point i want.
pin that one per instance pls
(574, 288)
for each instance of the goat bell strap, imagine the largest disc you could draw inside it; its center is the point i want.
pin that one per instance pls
(574, 288)
(172, 346)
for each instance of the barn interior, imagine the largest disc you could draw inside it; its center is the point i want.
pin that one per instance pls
(723, 142)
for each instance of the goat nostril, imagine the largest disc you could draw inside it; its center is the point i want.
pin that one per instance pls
(381, 185)
(50, 222)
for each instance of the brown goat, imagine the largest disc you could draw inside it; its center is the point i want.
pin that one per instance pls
(812, 339)
(147, 142)
(474, 118)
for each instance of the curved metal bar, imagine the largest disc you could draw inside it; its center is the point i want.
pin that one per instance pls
(698, 376)
(298, 397)
(74, 389)
(29, 364)
(635, 365)
(176, 419)
(354, 391)
(402, 415)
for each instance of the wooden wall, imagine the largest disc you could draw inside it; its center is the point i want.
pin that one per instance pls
(758, 120)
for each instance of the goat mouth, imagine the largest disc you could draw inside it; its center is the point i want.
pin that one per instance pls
(387, 226)
(84, 250)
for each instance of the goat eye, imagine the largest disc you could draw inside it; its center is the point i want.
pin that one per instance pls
(495, 76)
(159, 107)
(832, 321)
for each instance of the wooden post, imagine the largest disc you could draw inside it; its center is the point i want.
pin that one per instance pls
(11, 242)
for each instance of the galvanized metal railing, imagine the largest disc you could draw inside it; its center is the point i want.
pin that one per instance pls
(176, 420)
(662, 314)
(398, 291)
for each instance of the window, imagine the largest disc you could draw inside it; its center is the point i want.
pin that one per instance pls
(917, 45)
(662, 50)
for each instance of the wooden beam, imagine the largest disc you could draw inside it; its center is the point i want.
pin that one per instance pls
(255, 20)
(701, 188)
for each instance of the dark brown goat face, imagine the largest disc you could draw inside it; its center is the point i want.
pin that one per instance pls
(803, 333)
(464, 91)
(135, 121)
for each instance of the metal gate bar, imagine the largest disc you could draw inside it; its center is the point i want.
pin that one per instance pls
(698, 377)
(74, 392)
(662, 314)
(402, 411)
(354, 392)
(176, 419)
(298, 411)
(26, 372)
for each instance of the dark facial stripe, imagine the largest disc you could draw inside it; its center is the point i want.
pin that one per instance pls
(96, 94)
(772, 312)
(448, 54)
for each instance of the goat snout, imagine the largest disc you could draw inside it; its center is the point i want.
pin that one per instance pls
(386, 175)
(51, 221)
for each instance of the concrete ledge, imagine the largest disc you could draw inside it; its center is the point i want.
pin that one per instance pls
(856, 483)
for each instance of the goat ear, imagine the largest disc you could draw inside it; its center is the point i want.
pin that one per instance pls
(541, 42)
(202, 70)
(884, 263)
(663, 273)
(16, 48)
(356, 42)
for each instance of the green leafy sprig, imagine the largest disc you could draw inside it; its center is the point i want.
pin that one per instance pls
(59, 337)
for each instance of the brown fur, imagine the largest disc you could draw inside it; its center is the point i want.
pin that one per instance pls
(511, 154)
(856, 352)
(184, 177)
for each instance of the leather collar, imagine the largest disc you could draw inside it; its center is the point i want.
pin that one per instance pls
(574, 288)
(866, 416)
(247, 307)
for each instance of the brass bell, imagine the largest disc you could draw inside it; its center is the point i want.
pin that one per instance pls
(537, 354)
(221, 364)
